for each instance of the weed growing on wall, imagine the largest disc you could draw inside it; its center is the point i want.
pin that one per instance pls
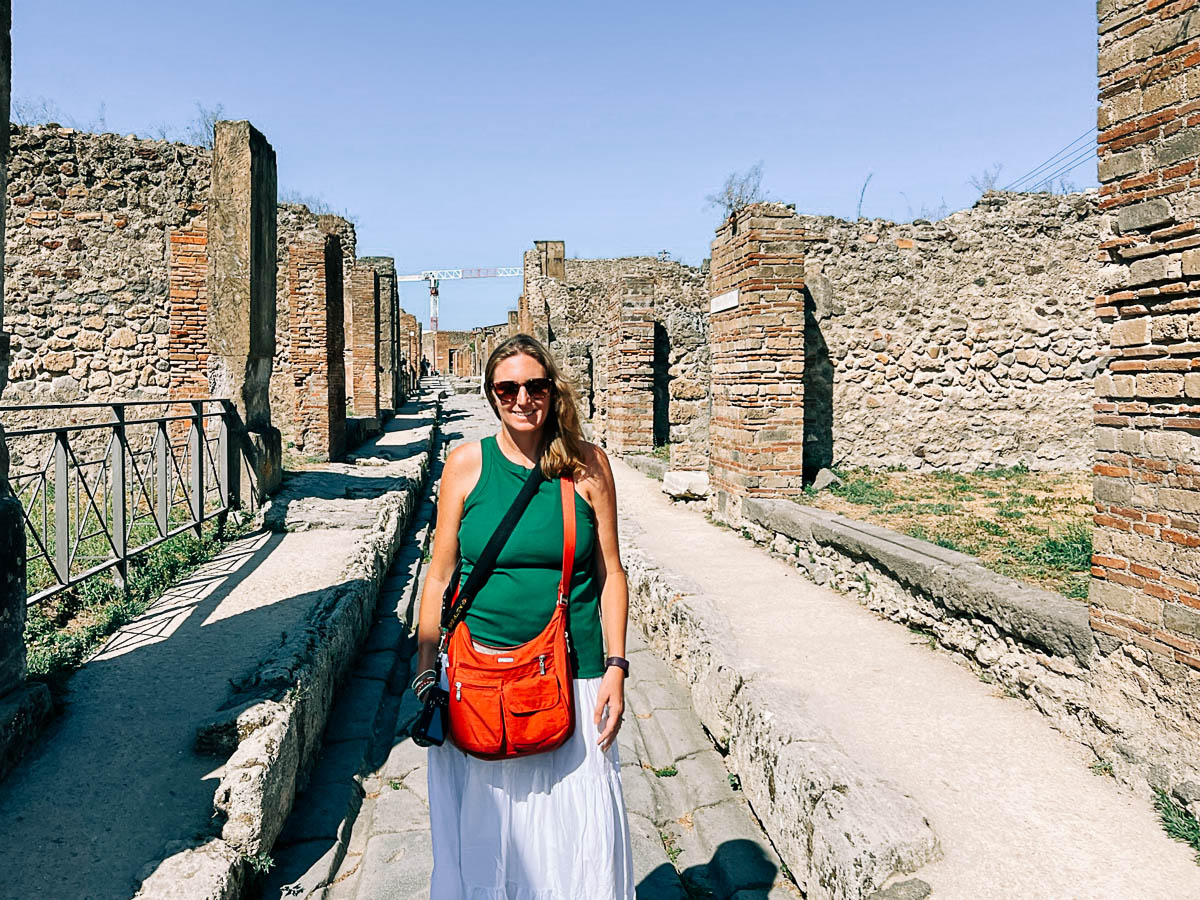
(1178, 822)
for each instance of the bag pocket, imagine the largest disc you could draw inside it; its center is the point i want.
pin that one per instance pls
(476, 719)
(536, 716)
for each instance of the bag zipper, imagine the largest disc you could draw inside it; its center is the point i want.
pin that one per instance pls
(458, 690)
(542, 664)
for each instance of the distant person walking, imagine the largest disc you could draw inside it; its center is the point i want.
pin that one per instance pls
(549, 825)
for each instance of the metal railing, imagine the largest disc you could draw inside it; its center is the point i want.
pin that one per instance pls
(97, 494)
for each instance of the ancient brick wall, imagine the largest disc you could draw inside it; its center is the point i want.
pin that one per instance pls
(409, 337)
(957, 344)
(1146, 589)
(452, 355)
(756, 445)
(389, 303)
(630, 365)
(363, 339)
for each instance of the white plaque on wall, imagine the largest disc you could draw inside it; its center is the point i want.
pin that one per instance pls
(722, 302)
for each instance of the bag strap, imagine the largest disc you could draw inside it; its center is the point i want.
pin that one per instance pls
(567, 484)
(453, 613)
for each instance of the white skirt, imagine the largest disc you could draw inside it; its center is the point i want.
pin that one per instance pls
(551, 826)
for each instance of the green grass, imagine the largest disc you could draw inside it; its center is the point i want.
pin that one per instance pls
(1177, 821)
(666, 772)
(62, 631)
(864, 491)
(663, 452)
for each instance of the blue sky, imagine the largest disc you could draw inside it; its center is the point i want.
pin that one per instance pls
(458, 133)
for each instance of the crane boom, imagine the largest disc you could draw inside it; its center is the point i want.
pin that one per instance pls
(433, 276)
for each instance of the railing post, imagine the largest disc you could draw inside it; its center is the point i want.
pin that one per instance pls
(231, 456)
(197, 454)
(62, 508)
(162, 463)
(120, 535)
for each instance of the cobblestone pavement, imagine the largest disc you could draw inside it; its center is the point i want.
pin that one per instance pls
(361, 828)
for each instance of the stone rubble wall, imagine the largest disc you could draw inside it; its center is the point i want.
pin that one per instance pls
(86, 248)
(576, 310)
(955, 344)
(1124, 703)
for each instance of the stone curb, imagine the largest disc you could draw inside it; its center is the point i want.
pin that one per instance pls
(842, 831)
(955, 580)
(24, 712)
(280, 736)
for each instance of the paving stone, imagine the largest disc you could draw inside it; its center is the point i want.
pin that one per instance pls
(398, 809)
(322, 812)
(377, 665)
(740, 855)
(344, 885)
(354, 713)
(671, 734)
(912, 889)
(653, 873)
(301, 871)
(647, 695)
(338, 761)
(403, 758)
(639, 795)
(387, 634)
(397, 866)
(417, 781)
(702, 780)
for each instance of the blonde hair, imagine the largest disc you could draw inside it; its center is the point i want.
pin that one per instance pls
(562, 435)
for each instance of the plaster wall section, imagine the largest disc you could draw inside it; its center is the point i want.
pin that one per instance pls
(955, 344)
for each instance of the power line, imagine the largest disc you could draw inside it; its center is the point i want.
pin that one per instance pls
(1054, 160)
(1069, 166)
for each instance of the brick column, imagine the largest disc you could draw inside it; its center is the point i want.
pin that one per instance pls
(364, 341)
(315, 298)
(756, 335)
(389, 303)
(630, 425)
(24, 708)
(187, 295)
(1146, 568)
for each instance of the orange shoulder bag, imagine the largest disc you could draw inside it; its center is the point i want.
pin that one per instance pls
(513, 701)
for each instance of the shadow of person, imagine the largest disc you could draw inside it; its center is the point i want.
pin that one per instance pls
(738, 868)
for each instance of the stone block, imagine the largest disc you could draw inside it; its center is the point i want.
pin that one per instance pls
(24, 712)
(1191, 385)
(1191, 262)
(1180, 500)
(1119, 165)
(397, 866)
(1141, 216)
(1180, 146)
(210, 871)
(1181, 619)
(1155, 268)
(1127, 601)
(1159, 384)
(1131, 332)
(685, 485)
(12, 592)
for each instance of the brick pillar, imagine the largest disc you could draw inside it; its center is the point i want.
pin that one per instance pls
(756, 335)
(1146, 569)
(364, 341)
(316, 321)
(24, 708)
(241, 295)
(187, 295)
(389, 303)
(630, 425)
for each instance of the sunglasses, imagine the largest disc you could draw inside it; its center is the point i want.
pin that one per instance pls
(536, 388)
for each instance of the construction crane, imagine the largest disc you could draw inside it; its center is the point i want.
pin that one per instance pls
(433, 276)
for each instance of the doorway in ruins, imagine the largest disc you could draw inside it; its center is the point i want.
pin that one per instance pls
(662, 385)
(818, 393)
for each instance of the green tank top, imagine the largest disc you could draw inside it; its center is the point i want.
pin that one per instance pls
(517, 600)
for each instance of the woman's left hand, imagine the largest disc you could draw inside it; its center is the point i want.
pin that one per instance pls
(612, 695)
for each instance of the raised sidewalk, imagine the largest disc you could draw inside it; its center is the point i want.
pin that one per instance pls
(866, 754)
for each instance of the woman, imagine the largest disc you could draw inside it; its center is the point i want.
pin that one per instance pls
(550, 826)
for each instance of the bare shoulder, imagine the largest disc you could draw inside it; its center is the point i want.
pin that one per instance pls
(597, 476)
(462, 467)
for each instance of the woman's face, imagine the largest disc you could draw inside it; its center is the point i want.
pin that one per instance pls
(528, 410)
